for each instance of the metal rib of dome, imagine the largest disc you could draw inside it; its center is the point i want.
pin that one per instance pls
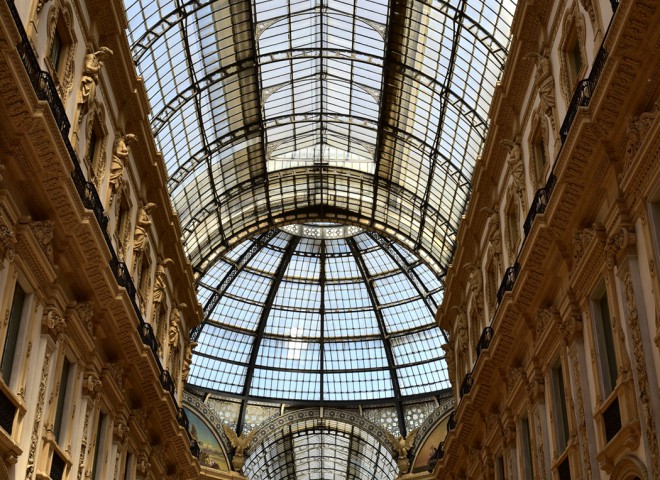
(299, 319)
(367, 112)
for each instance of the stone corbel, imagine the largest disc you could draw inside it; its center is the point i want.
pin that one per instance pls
(143, 464)
(618, 243)
(85, 312)
(508, 430)
(139, 416)
(53, 324)
(8, 243)
(92, 386)
(120, 432)
(535, 387)
(638, 128)
(43, 232)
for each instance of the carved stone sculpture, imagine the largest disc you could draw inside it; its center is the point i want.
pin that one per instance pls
(187, 360)
(119, 158)
(142, 229)
(90, 78)
(545, 80)
(240, 444)
(160, 282)
(516, 166)
(173, 334)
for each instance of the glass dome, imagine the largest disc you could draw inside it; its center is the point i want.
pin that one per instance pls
(319, 318)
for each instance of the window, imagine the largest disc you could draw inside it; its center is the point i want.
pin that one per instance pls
(559, 404)
(123, 228)
(604, 340)
(128, 466)
(91, 148)
(540, 157)
(491, 287)
(9, 350)
(61, 400)
(499, 469)
(56, 50)
(573, 55)
(526, 449)
(513, 227)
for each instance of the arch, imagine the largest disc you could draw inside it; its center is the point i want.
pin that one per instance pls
(345, 416)
(204, 412)
(629, 468)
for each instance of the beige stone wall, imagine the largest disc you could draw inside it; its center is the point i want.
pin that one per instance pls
(112, 416)
(543, 396)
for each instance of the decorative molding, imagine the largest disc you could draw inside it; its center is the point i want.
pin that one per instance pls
(92, 386)
(638, 128)
(616, 243)
(644, 390)
(8, 242)
(83, 445)
(581, 417)
(63, 77)
(85, 311)
(36, 426)
(54, 324)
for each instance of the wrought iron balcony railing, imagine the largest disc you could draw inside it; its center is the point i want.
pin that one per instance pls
(45, 89)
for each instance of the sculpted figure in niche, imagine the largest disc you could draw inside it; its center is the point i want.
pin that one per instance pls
(516, 166)
(90, 78)
(187, 360)
(173, 334)
(545, 80)
(142, 228)
(119, 158)
(160, 283)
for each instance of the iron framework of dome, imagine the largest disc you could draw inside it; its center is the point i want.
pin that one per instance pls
(367, 112)
(319, 320)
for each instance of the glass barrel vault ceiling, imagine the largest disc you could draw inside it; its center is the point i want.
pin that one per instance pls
(363, 111)
(302, 319)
